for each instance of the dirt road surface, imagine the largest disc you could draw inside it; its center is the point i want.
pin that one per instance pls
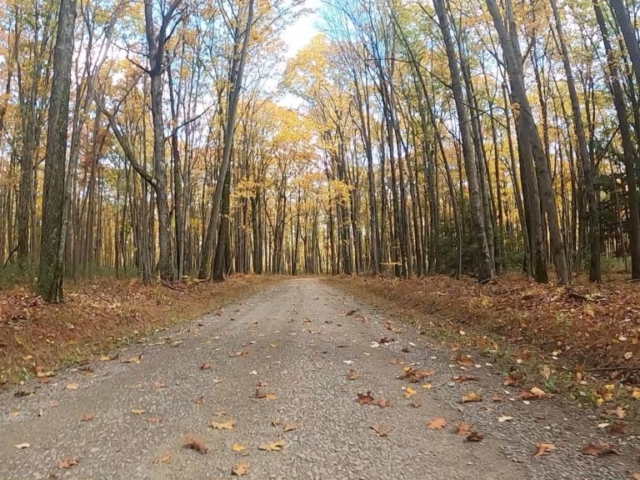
(293, 344)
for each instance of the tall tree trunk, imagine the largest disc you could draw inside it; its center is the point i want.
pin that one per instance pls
(583, 152)
(628, 150)
(513, 60)
(51, 274)
(235, 79)
(486, 268)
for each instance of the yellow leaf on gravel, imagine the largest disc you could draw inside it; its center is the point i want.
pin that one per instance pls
(380, 430)
(72, 386)
(543, 448)
(437, 424)
(240, 469)
(236, 447)
(636, 393)
(538, 392)
(463, 429)
(409, 392)
(67, 463)
(22, 446)
(228, 425)
(427, 386)
(352, 375)
(470, 397)
(86, 417)
(137, 411)
(276, 446)
(162, 458)
(290, 427)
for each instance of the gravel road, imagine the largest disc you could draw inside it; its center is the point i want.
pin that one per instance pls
(294, 343)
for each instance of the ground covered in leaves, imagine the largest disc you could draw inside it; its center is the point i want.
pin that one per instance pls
(37, 338)
(579, 332)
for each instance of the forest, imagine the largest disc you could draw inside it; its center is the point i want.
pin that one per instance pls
(174, 139)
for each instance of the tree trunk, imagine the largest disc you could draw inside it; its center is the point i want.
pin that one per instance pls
(486, 269)
(51, 274)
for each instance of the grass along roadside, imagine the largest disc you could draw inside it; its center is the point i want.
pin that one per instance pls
(582, 342)
(36, 339)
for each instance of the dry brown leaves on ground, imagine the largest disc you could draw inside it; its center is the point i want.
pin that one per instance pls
(195, 443)
(591, 325)
(37, 337)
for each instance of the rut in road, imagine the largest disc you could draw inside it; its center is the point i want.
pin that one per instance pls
(269, 386)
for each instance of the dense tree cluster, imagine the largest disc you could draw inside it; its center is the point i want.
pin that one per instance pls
(443, 136)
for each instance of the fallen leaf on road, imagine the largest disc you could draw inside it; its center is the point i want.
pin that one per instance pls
(463, 429)
(511, 381)
(538, 392)
(290, 427)
(409, 392)
(497, 399)
(236, 447)
(534, 394)
(72, 386)
(159, 385)
(543, 448)
(599, 450)
(465, 360)
(162, 458)
(474, 437)
(265, 395)
(43, 374)
(365, 399)
(240, 353)
(240, 469)
(275, 423)
(67, 463)
(505, 419)
(86, 417)
(206, 366)
(636, 476)
(199, 400)
(427, 386)
(137, 411)
(618, 428)
(195, 443)
(261, 383)
(154, 420)
(437, 424)
(415, 376)
(136, 359)
(464, 378)
(470, 397)
(228, 425)
(273, 446)
(352, 375)
(380, 430)
(382, 403)
(617, 412)
(22, 446)
(416, 404)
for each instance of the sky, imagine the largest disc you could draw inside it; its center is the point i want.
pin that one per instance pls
(298, 35)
